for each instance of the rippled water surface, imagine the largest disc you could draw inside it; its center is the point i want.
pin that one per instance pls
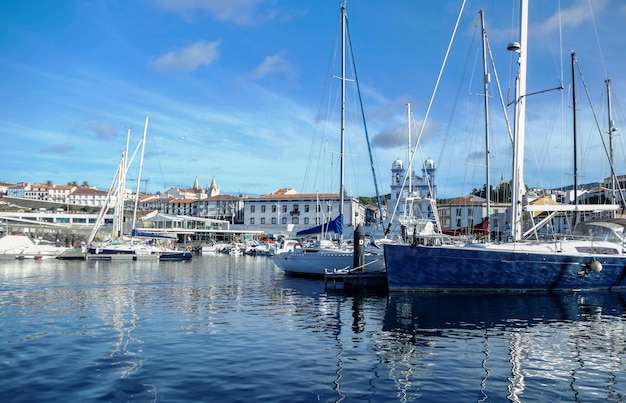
(237, 329)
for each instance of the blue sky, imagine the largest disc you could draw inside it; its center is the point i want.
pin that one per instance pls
(236, 90)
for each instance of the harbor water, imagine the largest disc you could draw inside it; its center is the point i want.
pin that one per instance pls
(236, 329)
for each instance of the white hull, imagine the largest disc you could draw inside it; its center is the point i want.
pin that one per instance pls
(23, 247)
(318, 263)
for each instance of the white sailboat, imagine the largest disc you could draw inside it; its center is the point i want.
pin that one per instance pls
(326, 256)
(138, 245)
(550, 264)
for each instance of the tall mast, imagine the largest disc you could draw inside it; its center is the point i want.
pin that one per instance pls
(143, 146)
(486, 81)
(575, 139)
(409, 170)
(517, 191)
(611, 130)
(343, 111)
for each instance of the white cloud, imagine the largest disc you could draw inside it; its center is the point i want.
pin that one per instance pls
(104, 130)
(275, 64)
(189, 58)
(241, 12)
(578, 13)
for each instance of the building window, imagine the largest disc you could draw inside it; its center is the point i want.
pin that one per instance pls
(273, 209)
(263, 209)
(252, 210)
(284, 220)
(262, 220)
(295, 220)
(306, 220)
(252, 221)
(284, 208)
(274, 220)
(306, 209)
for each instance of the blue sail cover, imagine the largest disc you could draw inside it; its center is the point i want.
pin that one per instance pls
(139, 234)
(335, 226)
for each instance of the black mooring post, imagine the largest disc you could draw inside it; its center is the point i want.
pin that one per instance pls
(359, 248)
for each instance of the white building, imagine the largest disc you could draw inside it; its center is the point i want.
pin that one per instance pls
(87, 196)
(221, 207)
(195, 192)
(288, 211)
(60, 193)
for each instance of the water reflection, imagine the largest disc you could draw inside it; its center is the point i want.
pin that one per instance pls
(236, 329)
(418, 313)
(560, 344)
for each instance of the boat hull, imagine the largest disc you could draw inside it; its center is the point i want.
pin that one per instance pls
(316, 264)
(435, 268)
(175, 256)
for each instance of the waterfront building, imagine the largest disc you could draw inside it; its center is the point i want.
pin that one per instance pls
(285, 210)
(222, 207)
(18, 190)
(37, 191)
(182, 207)
(60, 193)
(87, 196)
(468, 211)
(155, 203)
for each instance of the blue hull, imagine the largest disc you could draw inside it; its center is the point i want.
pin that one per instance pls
(428, 268)
(175, 256)
(110, 251)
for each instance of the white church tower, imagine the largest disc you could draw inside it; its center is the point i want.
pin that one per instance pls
(213, 189)
(413, 186)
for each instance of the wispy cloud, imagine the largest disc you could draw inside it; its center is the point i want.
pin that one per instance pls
(58, 149)
(188, 58)
(240, 12)
(103, 130)
(273, 65)
(576, 14)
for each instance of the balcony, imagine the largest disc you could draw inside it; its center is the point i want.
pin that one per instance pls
(295, 213)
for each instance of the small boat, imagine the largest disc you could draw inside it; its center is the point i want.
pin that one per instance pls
(177, 255)
(21, 247)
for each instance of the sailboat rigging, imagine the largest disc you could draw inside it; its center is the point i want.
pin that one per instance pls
(560, 263)
(323, 255)
(120, 245)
